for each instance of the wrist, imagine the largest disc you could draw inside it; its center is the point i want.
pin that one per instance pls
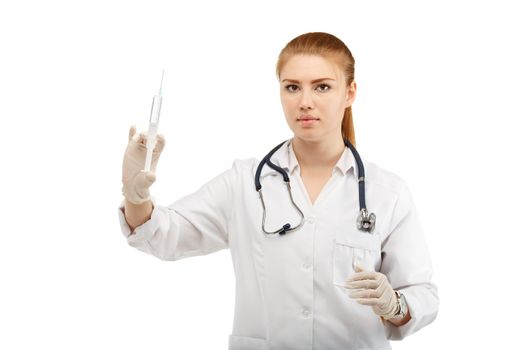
(400, 308)
(137, 214)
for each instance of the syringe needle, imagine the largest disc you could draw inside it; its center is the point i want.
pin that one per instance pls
(161, 80)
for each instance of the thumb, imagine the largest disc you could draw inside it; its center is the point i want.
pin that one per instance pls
(359, 268)
(150, 177)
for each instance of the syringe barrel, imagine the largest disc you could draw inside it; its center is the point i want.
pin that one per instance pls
(155, 109)
(149, 155)
(150, 145)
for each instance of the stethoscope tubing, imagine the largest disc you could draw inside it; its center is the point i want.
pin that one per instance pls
(365, 220)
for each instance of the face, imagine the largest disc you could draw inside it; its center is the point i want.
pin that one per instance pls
(314, 96)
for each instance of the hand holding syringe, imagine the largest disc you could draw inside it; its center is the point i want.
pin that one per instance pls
(141, 156)
(153, 125)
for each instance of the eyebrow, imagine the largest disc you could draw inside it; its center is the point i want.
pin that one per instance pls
(313, 81)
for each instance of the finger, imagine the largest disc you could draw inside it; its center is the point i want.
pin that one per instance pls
(364, 294)
(383, 285)
(367, 275)
(132, 131)
(161, 141)
(143, 138)
(359, 268)
(364, 301)
(363, 284)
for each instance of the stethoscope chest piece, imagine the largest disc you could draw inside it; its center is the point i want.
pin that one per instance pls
(366, 221)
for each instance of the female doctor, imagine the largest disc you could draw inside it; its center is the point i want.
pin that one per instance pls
(314, 267)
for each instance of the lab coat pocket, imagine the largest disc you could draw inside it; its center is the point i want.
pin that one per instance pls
(355, 247)
(237, 342)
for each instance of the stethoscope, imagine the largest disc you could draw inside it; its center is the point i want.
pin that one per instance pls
(365, 220)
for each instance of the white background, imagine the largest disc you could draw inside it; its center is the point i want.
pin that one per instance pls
(440, 103)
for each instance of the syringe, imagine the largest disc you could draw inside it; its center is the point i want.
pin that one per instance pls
(153, 125)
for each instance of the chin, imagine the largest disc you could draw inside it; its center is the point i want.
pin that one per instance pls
(307, 136)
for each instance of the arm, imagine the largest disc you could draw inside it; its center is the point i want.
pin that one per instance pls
(406, 262)
(195, 224)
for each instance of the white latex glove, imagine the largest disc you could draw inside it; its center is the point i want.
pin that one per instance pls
(372, 288)
(135, 182)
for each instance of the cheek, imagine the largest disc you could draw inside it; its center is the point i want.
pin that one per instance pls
(288, 104)
(335, 108)
(287, 100)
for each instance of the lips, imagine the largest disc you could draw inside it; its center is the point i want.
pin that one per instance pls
(307, 117)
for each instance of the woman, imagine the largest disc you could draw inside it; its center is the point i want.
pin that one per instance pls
(319, 281)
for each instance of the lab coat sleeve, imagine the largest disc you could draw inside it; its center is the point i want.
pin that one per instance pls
(406, 263)
(196, 224)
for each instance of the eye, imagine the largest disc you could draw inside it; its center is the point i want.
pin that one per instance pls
(288, 86)
(293, 87)
(325, 85)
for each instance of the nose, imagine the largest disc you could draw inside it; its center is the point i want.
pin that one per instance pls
(306, 101)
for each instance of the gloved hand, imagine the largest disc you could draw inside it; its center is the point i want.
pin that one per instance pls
(372, 288)
(135, 182)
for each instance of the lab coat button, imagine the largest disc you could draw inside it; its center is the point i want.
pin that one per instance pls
(310, 220)
(306, 312)
(307, 265)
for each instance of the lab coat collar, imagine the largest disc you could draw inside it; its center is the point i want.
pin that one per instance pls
(285, 158)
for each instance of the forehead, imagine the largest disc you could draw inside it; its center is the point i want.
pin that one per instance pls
(310, 67)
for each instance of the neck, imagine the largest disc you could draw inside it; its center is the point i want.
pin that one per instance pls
(318, 154)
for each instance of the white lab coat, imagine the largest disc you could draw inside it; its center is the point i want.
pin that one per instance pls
(289, 289)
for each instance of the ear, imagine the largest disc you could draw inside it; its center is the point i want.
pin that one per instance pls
(350, 94)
